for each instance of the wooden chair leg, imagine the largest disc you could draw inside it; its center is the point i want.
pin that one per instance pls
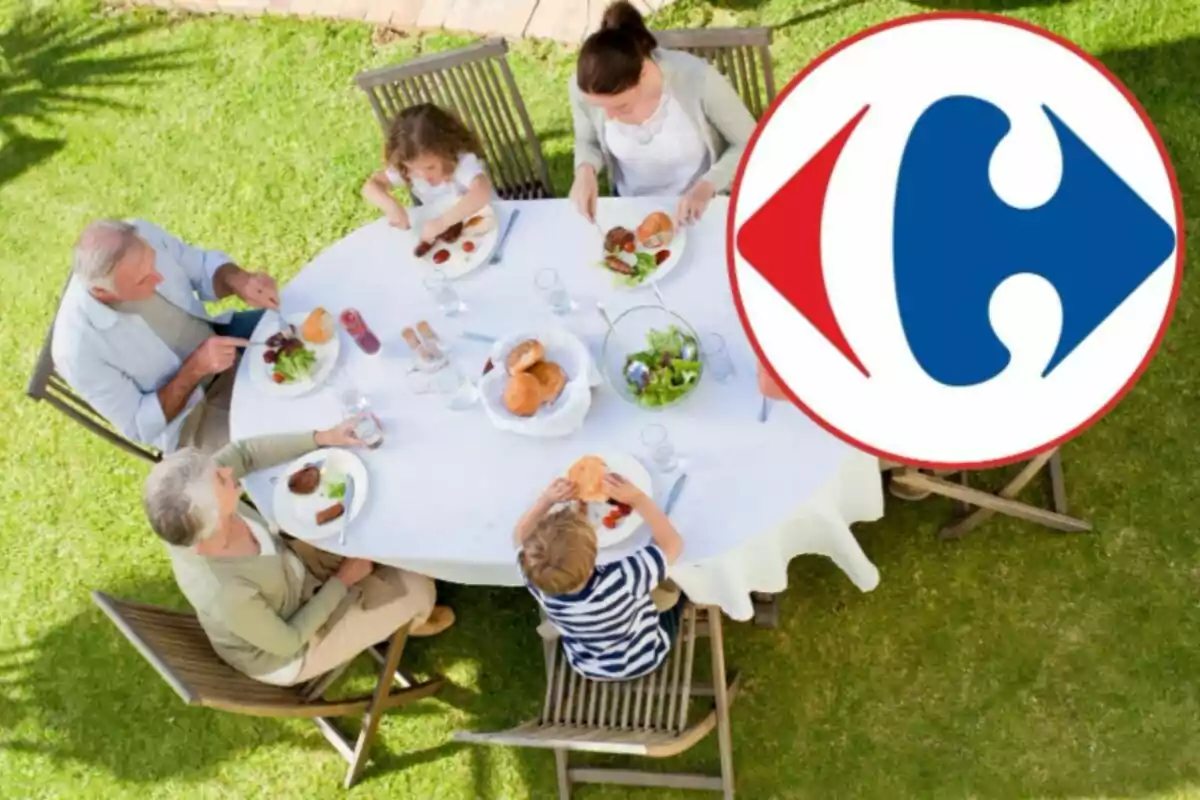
(378, 705)
(564, 777)
(721, 700)
(1009, 492)
(1058, 486)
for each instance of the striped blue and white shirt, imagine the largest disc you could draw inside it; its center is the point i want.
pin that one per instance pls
(610, 628)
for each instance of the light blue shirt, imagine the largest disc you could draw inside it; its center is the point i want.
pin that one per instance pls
(115, 361)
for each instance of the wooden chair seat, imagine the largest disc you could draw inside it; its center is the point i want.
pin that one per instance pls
(477, 84)
(177, 647)
(648, 717)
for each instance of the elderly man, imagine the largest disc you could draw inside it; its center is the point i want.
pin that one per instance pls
(134, 339)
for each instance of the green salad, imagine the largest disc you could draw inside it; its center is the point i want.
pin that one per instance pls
(337, 488)
(294, 365)
(631, 273)
(671, 376)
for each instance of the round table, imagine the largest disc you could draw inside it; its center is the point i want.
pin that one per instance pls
(447, 487)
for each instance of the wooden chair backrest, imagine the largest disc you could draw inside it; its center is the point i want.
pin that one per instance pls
(477, 84)
(48, 386)
(178, 649)
(742, 55)
(655, 703)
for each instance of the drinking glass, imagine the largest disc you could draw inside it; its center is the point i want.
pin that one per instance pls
(443, 294)
(456, 391)
(552, 289)
(716, 357)
(368, 429)
(659, 447)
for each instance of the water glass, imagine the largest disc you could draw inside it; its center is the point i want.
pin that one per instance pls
(456, 391)
(443, 294)
(659, 447)
(368, 429)
(552, 289)
(716, 357)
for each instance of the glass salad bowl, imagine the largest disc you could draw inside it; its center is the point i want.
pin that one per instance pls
(651, 357)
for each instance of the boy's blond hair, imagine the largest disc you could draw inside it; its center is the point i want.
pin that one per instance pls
(560, 553)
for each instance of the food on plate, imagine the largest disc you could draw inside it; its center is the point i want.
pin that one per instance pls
(479, 225)
(327, 515)
(656, 231)
(441, 256)
(588, 476)
(672, 368)
(661, 256)
(524, 356)
(523, 395)
(551, 378)
(422, 249)
(619, 240)
(318, 326)
(468, 247)
(305, 480)
(618, 265)
(291, 360)
(451, 234)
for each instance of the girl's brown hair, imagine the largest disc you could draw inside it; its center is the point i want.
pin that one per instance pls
(611, 59)
(426, 129)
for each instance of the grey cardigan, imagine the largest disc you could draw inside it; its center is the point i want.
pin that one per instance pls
(709, 100)
(257, 615)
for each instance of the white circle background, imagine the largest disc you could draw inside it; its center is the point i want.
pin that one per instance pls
(900, 410)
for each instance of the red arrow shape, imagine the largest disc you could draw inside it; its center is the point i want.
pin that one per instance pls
(782, 241)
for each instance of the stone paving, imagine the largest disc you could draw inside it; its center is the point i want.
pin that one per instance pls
(561, 20)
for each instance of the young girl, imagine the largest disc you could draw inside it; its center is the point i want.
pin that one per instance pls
(438, 158)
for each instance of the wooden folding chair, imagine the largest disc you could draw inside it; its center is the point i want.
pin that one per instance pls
(648, 716)
(477, 84)
(1005, 501)
(742, 55)
(48, 386)
(176, 646)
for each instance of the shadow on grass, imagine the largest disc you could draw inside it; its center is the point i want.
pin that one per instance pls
(57, 60)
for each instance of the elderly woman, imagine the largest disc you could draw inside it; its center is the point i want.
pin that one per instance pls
(266, 606)
(662, 123)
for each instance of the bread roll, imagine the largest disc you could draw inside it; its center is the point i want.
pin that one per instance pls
(551, 378)
(524, 356)
(523, 395)
(656, 231)
(588, 476)
(318, 327)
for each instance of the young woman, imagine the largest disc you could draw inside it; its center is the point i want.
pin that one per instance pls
(662, 123)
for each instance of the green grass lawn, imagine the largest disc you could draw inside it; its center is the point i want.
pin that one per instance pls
(1015, 663)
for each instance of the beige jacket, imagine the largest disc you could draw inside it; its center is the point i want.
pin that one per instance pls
(709, 100)
(259, 616)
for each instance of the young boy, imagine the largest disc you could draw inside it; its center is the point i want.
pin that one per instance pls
(610, 620)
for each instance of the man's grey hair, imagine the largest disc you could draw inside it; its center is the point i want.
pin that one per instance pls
(100, 248)
(181, 498)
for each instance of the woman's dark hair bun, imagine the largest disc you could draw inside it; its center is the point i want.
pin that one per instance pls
(610, 61)
(622, 16)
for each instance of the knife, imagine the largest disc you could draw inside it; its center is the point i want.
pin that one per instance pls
(499, 253)
(479, 337)
(674, 495)
(348, 504)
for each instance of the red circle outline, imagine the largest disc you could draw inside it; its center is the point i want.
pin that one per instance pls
(957, 15)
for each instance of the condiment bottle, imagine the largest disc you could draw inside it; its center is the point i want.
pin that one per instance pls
(363, 336)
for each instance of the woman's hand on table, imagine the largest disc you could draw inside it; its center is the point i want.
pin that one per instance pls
(341, 435)
(353, 570)
(623, 491)
(433, 229)
(584, 191)
(398, 218)
(694, 202)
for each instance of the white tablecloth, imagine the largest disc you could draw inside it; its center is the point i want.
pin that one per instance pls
(446, 487)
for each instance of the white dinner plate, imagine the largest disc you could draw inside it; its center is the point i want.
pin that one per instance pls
(460, 262)
(261, 371)
(613, 217)
(631, 470)
(296, 514)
